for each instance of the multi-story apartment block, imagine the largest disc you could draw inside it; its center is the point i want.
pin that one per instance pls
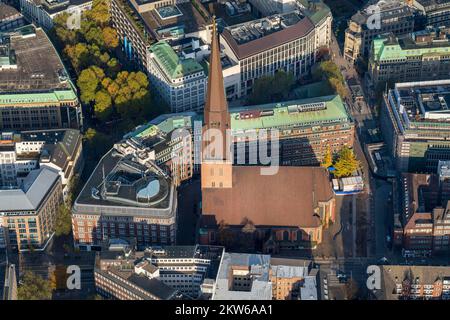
(128, 196)
(35, 89)
(414, 120)
(364, 26)
(421, 56)
(399, 282)
(436, 13)
(23, 152)
(42, 12)
(10, 18)
(262, 47)
(180, 81)
(140, 23)
(29, 212)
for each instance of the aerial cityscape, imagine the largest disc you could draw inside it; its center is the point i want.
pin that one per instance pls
(236, 150)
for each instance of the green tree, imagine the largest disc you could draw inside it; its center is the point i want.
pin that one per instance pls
(103, 104)
(272, 88)
(63, 223)
(95, 36)
(110, 37)
(88, 82)
(64, 34)
(100, 11)
(346, 163)
(327, 158)
(34, 287)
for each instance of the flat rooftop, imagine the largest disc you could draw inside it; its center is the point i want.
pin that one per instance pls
(35, 64)
(241, 13)
(389, 10)
(183, 18)
(127, 187)
(258, 267)
(253, 37)
(304, 112)
(7, 11)
(423, 101)
(55, 6)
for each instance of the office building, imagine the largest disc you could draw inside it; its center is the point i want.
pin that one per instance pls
(35, 89)
(277, 42)
(364, 26)
(420, 56)
(180, 81)
(20, 153)
(425, 200)
(29, 212)
(307, 127)
(189, 271)
(141, 23)
(435, 13)
(414, 282)
(414, 120)
(167, 140)
(42, 12)
(129, 197)
(243, 277)
(10, 18)
(293, 279)
(118, 278)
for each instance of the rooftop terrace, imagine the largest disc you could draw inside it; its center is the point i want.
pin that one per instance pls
(128, 185)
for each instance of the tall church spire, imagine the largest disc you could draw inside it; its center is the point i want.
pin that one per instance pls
(217, 167)
(216, 106)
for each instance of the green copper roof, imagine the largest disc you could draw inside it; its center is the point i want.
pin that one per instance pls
(334, 111)
(55, 96)
(388, 51)
(173, 66)
(315, 10)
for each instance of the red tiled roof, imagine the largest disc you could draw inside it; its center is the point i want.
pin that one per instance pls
(287, 198)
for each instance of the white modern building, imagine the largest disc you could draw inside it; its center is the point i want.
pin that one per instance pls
(21, 153)
(282, 41)
(180, 80)
(42, 12)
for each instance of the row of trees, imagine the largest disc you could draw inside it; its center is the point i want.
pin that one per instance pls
(329, 71)
(92, 49)
(344, 162)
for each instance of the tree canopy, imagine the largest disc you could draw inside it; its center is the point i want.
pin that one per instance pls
(346, 163)
(63, 224)
(34, 287)
(328, 70)
(272, 88)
